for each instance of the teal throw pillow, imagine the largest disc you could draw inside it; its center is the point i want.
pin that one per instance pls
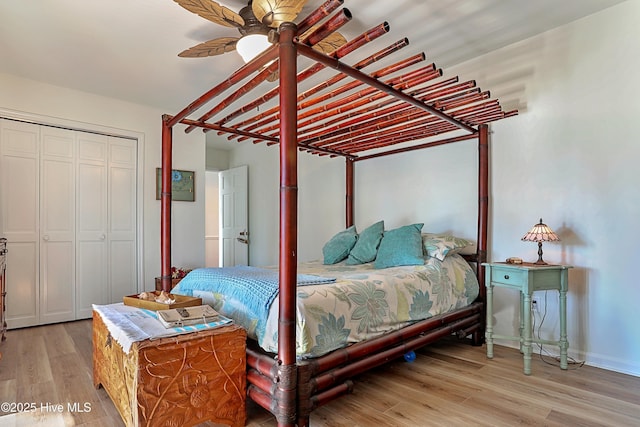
(366, 247)
(401, 246)
(338, 248)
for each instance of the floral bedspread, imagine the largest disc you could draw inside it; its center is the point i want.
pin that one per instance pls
(362, 303)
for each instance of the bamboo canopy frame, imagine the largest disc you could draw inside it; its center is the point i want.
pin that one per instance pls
(370, 115)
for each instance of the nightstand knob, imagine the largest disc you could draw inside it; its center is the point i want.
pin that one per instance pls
(506, 276)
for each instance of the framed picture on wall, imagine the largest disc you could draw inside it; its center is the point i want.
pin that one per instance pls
(182, 185)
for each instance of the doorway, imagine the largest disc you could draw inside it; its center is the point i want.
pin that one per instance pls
(226, 218)
(212, 219)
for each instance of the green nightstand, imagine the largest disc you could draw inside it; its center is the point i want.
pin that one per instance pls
(527, 278)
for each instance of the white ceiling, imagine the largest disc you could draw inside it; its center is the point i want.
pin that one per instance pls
(127, 49)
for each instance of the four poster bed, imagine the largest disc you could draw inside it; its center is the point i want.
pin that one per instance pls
(384, 118)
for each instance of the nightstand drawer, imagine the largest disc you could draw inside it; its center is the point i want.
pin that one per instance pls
(508, 276)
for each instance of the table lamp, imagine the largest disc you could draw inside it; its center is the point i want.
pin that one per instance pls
(540, 233)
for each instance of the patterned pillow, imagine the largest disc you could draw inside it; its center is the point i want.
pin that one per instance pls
(401, 246)
(366, 247)
(339, 246)
(439, 245)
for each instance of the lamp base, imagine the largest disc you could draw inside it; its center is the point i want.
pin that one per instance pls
(540, 261)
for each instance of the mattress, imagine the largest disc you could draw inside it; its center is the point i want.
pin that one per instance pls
(362, 302)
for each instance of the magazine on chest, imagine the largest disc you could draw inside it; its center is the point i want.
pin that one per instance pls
(186, 316)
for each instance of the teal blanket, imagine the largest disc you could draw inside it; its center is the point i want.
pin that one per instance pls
(255, 287)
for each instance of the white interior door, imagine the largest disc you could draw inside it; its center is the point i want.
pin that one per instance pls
(57, 225)
(122, 228)
(234, 217)
(19, 215)
(91, 255)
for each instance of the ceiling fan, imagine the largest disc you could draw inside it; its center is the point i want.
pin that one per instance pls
(254, 22)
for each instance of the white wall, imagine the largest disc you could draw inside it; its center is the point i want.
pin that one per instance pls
(569, 157)
(217, 160)
(57, 104)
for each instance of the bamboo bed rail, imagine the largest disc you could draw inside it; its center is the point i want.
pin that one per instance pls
(326, 377)
(353, 114)
(404, 81)
(341, 52)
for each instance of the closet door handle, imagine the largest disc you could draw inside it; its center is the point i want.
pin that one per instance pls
(102, 237)
(45, 237)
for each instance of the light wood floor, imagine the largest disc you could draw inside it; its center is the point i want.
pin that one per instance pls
(449, 384)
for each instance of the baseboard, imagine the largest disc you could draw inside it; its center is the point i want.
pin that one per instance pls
(595, 360)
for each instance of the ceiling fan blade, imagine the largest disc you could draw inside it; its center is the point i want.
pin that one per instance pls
(211, 48)
(273, 77)
(209, 9)
(272, 13)
(330, 43)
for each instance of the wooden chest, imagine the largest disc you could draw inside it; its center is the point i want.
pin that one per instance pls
(176, 381)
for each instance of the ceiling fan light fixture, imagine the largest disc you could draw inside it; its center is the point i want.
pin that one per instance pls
(252, 45)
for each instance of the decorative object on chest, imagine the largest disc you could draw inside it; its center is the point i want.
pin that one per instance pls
(177, 274)
(153, 301)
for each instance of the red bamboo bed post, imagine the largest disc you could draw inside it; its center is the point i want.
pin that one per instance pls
(349, 163)
(165, 205)
(287, 369)
(483, 217)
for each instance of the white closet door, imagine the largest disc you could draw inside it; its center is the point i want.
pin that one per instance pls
(122, 218)
(91, 238)
(57, 225)
(68, 208)
(19, 202)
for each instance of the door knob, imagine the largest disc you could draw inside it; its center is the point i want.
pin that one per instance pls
(45, 238)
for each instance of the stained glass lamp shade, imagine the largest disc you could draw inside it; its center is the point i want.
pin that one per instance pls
(540, 233)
